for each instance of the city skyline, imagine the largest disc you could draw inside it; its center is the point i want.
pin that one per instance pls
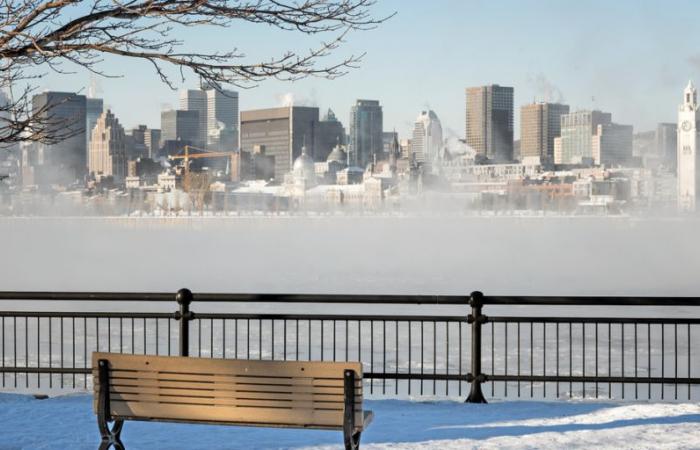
(603, 70)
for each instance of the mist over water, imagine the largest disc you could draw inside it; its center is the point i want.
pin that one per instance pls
(354, 255)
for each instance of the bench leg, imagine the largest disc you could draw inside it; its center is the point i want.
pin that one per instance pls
(111, 437)
(352, 442)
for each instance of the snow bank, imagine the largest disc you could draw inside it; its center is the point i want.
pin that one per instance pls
(68, 422)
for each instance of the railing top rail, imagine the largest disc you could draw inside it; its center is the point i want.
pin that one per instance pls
(591, 301)
(355, 299)
(238, 298)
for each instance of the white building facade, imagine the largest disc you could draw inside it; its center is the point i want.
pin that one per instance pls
(687, 150)
(427, 138)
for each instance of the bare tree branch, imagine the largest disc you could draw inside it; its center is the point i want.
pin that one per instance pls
(36, 34)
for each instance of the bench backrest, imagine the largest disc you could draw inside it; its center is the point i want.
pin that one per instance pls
(241, 392)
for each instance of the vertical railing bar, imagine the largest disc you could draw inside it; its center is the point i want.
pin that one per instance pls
(109, 334)
(493, 360)
(583, 358)
(410, 343)
(50, 351)
(557, 369)
(384, 356)
(158, 332)
(544, 358)
(396, 355)
(622, 339)
(284, 341)
(145, 341)
(211, 338)
(133, 339)
(688, 361)
(235, 338)
(72, 330)
(223, 332)
(663, 359)
(421, 355)
(322, 345)
(347, 339)
(260, 339)
(38, 350)
(3, 349)
(14, 351)
(532, 352)
(296, 340)
(505, 352)
(571, 359)
(609, 358)
(60, 340)
(518, 330)
(26, 353)
(675, 360)
(447, 358)
(649, 359)
(272, 324)
(371, 356)
(247, 332)
(636, 370)
(309, 339)
(334, 339)
(434, 356)
(85, 361)
(596, 359)
(169, 335)
(121, 337)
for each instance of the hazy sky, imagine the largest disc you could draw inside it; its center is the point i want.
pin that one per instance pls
(629, 57)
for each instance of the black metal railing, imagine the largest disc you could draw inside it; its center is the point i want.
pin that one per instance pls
(447, 352)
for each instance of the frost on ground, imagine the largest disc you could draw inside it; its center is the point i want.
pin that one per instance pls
(68, 422)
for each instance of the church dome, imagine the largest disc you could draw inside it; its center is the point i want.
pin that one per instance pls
(338, 155)
(303, 168)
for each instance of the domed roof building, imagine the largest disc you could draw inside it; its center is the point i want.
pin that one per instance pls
(303, 171)
(337, 155)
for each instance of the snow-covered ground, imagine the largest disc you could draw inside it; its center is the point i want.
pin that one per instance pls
(69, 423)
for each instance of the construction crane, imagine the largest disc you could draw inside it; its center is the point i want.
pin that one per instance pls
(207, 154)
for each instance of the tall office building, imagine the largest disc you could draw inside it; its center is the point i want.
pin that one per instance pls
(222, 120)
(489, 123)
(612, 144)
(179, 128)
(366, 127)
(666, 141)
(575, 146)
(540, 124)
(427, 138)
(152, 140)
(93, 110)
(63, 162)
(196, 100)
(283, 132)
(688, 138)
(107, 156)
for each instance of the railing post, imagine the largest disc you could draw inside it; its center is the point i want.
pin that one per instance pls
(476, 301)
(184, 315)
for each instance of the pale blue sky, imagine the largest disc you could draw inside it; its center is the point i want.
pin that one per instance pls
(629, 57)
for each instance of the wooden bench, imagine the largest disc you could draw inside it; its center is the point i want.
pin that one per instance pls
(318, 395)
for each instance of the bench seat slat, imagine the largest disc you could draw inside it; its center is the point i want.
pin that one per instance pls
(262, 369)
(221, 386)
(230, 394)
(233, 402)
(118, 375)
(230, 416)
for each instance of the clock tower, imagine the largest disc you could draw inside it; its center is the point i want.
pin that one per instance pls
(688, 163)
